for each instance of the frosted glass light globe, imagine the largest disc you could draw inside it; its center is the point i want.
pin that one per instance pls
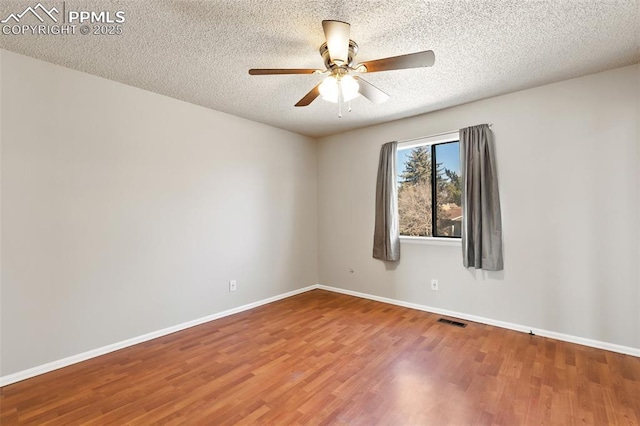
(329, 89)
(330, 86)
(349, 87)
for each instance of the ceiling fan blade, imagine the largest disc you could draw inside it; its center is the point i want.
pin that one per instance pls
(309, 97)
(271, 71)
(337, 35)
(371, 92)
(412, 60)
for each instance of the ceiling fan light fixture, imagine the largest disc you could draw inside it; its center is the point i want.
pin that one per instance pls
(338, 53)
(331, 86)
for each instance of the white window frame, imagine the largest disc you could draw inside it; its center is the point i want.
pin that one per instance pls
(430, 140)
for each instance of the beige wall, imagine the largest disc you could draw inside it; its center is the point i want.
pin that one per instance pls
(569, 173)
(125, 212)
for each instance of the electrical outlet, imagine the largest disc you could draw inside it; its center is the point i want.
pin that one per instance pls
(434, 285)
(233, 285)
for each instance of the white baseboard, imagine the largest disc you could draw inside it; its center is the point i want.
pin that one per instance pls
(627, 350)
(54, 365)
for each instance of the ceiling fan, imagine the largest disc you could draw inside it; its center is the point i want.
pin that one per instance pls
(338, 54)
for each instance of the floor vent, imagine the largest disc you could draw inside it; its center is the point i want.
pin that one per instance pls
(456, 323)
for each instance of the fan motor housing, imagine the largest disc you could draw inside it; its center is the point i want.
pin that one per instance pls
(324, 52)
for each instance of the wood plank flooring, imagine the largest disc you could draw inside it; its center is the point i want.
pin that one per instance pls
(326, 358)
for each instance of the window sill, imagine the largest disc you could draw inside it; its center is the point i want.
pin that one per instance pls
(432, 241)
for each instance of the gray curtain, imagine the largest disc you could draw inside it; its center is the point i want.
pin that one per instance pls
(386, 236)
(481, 220)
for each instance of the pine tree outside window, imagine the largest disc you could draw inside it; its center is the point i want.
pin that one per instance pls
(430, 187)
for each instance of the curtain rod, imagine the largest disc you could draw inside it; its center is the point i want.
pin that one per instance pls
(433, 136)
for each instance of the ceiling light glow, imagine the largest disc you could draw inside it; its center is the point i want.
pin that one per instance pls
(331, 86)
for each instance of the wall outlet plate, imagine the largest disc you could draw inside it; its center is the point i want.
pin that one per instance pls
(233, 285)
(434, 285)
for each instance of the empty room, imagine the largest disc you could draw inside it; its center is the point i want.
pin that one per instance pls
(319, 212)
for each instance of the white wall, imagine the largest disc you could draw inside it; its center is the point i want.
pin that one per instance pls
(1, 351)
(637, 120)
(125, 212)
(569, 169)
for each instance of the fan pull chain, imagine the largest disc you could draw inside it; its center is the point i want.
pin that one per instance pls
(340, 100)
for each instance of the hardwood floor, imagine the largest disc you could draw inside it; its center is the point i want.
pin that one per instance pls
(326, 358)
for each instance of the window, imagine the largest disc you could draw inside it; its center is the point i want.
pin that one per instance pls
(428, 170)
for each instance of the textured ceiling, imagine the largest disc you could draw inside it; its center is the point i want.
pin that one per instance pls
(200, 51)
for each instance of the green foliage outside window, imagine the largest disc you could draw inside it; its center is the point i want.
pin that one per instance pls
(415, 194)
